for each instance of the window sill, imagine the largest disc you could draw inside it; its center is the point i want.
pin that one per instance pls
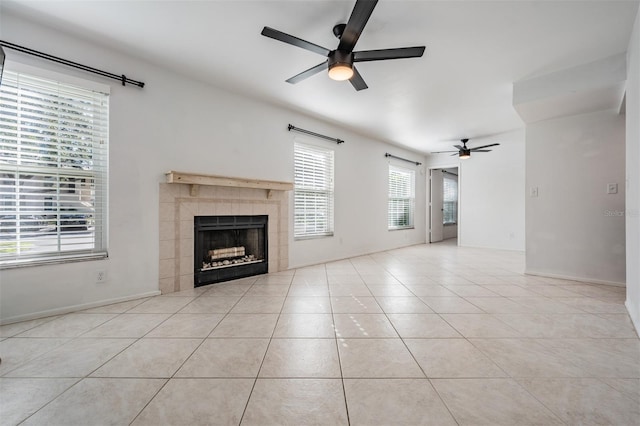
(401, 228)
(312, 237)
(26, 263)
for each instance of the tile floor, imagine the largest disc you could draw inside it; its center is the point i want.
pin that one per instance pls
(431, 334)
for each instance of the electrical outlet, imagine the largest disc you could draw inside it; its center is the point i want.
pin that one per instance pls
(101, 276)
(533, 191)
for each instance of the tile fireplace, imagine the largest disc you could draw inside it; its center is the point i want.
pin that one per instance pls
(186, 196)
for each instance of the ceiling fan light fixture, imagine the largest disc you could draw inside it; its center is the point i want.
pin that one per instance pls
(464, 154)
(340, 72)
(340, 65)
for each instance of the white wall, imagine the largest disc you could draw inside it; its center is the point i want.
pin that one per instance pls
(176, 123)
(572, 227)
(361, 197)
(491, 192)
(633, 175)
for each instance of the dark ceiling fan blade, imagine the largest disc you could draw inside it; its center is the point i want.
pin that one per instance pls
(384, 54)
(481, 150)
(295, 41)
(358, 19)
(453, 155)
(308, 73)
(442, 152)
(483, 146)
(357, 81)
(459, 147)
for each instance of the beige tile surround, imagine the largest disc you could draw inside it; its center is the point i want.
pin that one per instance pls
(178, 208)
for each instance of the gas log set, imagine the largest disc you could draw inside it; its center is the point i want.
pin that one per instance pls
(224, 257)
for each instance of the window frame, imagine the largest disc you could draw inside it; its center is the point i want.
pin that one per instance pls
(325, 188)
(86, 206)
(409, 199)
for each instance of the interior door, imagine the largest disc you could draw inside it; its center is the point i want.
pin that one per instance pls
(435, 202)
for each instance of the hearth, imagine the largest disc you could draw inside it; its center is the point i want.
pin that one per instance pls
(229, 247)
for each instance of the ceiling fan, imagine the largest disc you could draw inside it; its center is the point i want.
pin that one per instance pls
(340, 62)
(464, 152)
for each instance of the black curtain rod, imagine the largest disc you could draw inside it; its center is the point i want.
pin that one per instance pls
(444, 171)
(122, 78)
(386, 154)
(318, 135)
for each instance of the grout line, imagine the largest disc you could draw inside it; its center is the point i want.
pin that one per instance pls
(150, 399)
(443, 401)
(53, 399)
(538, 400)
(335, 335)
(255, 381)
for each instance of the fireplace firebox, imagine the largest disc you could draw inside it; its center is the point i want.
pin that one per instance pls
(229, 247)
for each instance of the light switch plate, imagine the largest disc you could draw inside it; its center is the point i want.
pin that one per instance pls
(533, 191)
(612, 188)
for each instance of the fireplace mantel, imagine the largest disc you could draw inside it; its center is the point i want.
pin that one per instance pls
(195, 179)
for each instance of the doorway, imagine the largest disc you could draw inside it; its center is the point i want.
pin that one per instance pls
(444, 204)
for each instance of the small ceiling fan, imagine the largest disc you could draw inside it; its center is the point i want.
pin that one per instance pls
(464, 152)
(340, 62)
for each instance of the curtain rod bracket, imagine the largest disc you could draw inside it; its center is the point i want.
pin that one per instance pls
(386, 154)
(291, 127)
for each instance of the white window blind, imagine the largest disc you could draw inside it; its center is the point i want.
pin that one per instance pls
(450, 200)
(401, 197)
(313, 193)
(53, 171)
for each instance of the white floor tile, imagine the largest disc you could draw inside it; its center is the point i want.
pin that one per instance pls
(427, 334)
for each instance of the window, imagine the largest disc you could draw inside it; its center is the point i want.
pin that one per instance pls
(401, 198)
(313, 193)
(450, 199)
(53, 171)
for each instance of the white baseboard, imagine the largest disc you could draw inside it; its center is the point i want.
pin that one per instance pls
(460, 244)
(571, 278)
(74, 308)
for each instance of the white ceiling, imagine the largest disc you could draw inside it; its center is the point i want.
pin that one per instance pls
(461, 87)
